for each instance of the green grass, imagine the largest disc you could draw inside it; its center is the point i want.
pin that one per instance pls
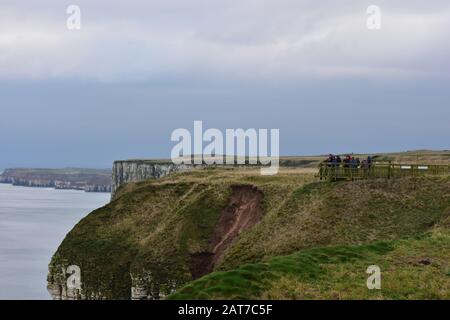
(337, 272)
(320, 214)
(152, 227)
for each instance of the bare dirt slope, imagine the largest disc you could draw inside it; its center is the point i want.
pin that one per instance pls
(243, 211)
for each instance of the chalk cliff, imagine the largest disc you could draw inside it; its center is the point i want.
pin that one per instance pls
(89, 180)
(125, 171)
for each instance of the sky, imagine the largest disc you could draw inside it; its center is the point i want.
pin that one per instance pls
(137, 70)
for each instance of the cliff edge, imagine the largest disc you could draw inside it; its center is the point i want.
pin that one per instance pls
(158, 235)
(126, 171)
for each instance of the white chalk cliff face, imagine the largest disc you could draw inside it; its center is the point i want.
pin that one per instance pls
(58, 289)
(61, 292)
(138, 170)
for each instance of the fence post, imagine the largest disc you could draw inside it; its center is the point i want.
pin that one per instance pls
(320, 171)
(389, 170)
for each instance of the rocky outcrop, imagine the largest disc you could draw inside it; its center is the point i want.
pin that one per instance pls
(61, 292)
(125, 171)
(57, 286)
(145, 288)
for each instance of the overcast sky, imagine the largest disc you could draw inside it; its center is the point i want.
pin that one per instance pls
(137, 70)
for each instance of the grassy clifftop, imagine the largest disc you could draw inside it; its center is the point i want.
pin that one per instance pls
(158, 235)
(411, 268)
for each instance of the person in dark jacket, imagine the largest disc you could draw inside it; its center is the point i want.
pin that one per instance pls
(369, 161)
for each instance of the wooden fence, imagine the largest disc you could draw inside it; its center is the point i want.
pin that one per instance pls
(334, 171)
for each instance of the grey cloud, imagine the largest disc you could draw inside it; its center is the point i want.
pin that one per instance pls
(142, 39)
(139, 69)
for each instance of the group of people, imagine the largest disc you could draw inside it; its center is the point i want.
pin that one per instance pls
(349, 161)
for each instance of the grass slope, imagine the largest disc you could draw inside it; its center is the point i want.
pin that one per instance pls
(320, 214)
(153, 227)
(411, 268)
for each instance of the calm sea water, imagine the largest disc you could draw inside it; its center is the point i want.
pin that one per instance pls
(33, 222)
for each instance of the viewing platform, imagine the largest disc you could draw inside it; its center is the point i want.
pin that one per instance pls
(338, 171)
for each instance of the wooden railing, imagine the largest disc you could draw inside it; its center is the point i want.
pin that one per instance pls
(334, 171)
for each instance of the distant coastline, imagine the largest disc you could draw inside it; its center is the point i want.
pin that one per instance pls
(88, 180)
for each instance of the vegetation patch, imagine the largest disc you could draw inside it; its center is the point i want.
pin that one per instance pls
(411, 268)
(147, 236)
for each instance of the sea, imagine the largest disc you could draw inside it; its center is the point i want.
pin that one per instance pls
(33, 222)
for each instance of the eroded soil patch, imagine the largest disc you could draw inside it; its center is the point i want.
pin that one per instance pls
(243, 211)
